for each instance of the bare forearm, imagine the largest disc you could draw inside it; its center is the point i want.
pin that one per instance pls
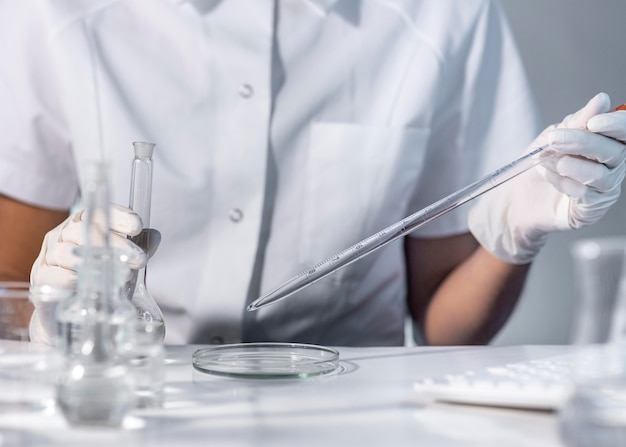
(474, 301)
(22, 229)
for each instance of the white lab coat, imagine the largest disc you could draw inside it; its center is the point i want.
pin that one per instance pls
(283, 136)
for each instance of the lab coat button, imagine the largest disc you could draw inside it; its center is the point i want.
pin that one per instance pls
(235, 215)
(246, 91)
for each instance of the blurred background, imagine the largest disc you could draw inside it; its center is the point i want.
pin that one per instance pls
(572, 49)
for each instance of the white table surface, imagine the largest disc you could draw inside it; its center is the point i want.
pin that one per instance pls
(368, 401)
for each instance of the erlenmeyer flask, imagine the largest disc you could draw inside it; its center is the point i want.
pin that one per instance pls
(146, 356)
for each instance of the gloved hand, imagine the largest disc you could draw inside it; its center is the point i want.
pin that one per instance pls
(574, 186)
(57, 262)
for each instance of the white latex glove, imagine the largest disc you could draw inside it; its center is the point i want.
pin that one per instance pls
(574, 187)
(57, 261)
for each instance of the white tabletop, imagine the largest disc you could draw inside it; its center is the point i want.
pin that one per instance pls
(368, 401)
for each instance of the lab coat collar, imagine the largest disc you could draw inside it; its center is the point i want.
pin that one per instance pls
(321, 6)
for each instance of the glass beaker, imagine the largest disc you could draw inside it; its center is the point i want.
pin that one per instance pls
(27, 370)
(595, 413)
(15, 310)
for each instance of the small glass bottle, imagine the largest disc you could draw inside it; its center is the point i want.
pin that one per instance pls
(94, 388)
(147, 356)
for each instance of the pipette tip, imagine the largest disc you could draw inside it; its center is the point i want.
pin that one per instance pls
(261, 302)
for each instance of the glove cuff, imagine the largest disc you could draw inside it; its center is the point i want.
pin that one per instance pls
(512, 226)
(505, 243)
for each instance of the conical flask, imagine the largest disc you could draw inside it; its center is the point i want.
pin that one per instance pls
(146, 355)
(140, 202)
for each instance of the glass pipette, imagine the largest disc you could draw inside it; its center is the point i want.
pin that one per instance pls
(405, 226)
(402, 227)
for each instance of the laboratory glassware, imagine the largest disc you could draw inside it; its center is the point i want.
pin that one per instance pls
(147, 356)
(94, 387)
(595, 412)
(401, 228)
(15, 310)
(27, 370)
(266, 360)
(405, 226)
(140, 202)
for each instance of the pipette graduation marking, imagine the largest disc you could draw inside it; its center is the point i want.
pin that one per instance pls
(404, 226)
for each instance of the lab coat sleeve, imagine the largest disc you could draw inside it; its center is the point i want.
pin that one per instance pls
(485, 117)
(37, 165)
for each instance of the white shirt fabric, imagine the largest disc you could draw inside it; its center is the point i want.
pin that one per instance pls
(286, 131)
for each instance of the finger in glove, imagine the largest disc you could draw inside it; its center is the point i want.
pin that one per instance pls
(601, 103)
(592, 146)
(576, 189)
(54, 274)
(72, 236)
(609, 124)
(124, 221)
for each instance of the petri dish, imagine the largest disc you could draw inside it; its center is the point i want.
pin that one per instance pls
(266, 360)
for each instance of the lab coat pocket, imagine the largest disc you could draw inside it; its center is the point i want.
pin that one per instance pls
(359, 180)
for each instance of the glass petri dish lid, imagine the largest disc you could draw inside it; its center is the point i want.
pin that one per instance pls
(266, 360)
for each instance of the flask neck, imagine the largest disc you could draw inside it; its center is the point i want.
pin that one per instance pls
(141, 189)
(141, 276)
